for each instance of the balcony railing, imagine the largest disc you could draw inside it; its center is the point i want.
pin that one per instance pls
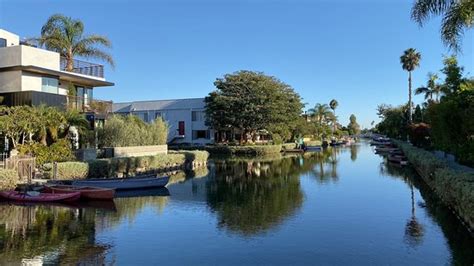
(84, 68)
(87, 105)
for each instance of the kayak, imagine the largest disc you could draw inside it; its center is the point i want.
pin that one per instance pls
(94, 193)
(39, 197)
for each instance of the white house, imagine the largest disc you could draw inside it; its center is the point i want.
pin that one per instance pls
(185, 118)
(34, 76)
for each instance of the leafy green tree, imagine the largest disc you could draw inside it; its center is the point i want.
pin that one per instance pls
(458, 16)
(65, 35)
(354, 127)
(432, 88)
(418, 115)
(321, 116)
(453, 73)
(251, 101)
(393, 121)
(410, 60)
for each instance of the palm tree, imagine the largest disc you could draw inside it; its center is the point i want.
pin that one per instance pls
(410, 60)
(458, 15)
(321, 112)
(65, 36)
(333, 104)
(432, 88)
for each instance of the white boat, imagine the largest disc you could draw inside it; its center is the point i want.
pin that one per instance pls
(124, 183)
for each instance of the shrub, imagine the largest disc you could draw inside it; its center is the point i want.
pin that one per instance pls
(313, 143)
(8, 179)
(99, 168)
(454, 187)
(67, 170)
(126, 131)
(255, 150)
(59, 151)
(288, 146)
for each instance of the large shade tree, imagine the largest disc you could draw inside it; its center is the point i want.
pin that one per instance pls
(65, 36)
(410, 60)
(250, 101)
(458, 16)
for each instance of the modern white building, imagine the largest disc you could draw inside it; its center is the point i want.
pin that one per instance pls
(185, 118)
(34, 76)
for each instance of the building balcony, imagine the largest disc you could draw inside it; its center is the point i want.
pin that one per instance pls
(85, 105)
(84, 68)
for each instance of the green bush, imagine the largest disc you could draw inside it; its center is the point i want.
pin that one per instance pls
(288, 146)
(253, 150)
(126, 131)
(8, 179)
(67, 170)
(313, 143)
(59, 151)
(130, 166)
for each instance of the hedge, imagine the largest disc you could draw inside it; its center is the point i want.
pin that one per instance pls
(455, 188)
(126, 166)
(8, 179)
(288, 146)
(254, 150)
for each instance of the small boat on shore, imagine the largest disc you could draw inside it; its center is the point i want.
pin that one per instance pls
(402, 160)
(91, 193)
(124, 183)
(40, 197)
(312, 148)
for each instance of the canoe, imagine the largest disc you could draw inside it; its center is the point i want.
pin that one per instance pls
(40, 197)
(124, 183)
(93, 193)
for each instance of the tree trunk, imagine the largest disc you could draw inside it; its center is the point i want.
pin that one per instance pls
(410, 113)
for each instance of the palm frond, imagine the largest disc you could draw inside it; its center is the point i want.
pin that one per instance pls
(422, 9)
(93, 52)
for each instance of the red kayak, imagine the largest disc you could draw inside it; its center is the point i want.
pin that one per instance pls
(40, 197)
(95, 193)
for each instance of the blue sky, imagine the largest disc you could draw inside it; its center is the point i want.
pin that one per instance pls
(347, 50)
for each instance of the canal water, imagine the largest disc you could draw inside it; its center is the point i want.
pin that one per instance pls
(340, 206)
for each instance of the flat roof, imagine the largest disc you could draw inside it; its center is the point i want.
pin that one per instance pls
(62, 75)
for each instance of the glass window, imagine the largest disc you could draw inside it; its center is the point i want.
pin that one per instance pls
(198, 115)
(3, 42)
(158, 115)
(87, 96)
(201, 134)
(49, 85)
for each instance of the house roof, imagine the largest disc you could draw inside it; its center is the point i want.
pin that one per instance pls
(127, 107)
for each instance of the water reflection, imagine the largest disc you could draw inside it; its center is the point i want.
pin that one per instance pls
(252, 196)
(244, 197)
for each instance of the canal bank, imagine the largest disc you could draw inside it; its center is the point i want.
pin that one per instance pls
(454, 187)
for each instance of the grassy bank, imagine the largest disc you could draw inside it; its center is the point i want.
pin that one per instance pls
(455, 188)
(128, 166)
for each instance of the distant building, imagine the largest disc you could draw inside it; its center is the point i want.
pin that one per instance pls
(185, 117)
(34, 76)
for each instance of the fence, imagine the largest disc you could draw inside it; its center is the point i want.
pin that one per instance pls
(23, 165)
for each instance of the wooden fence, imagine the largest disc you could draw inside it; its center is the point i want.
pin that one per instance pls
(23, 165)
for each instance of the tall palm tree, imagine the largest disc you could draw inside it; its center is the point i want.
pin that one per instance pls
(333, 104)
(65, 36)
(410, 60)
(458, 16)
(432, 88)
(321, 112)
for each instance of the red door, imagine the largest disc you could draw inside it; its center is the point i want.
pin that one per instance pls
(181, 128)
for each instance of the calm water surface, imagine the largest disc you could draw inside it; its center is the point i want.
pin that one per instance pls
(342, 206)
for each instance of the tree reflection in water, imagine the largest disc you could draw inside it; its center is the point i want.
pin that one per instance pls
(48, 232)
(253, 196)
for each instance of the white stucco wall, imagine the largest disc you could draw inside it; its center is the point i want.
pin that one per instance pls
(39, 57)
(172, 117)
(10, 81)
(12, 39)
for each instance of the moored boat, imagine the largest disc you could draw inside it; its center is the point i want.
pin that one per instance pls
(313, 148)
(402, 160)
(40, 197)
(124, 183)
(93, 193)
